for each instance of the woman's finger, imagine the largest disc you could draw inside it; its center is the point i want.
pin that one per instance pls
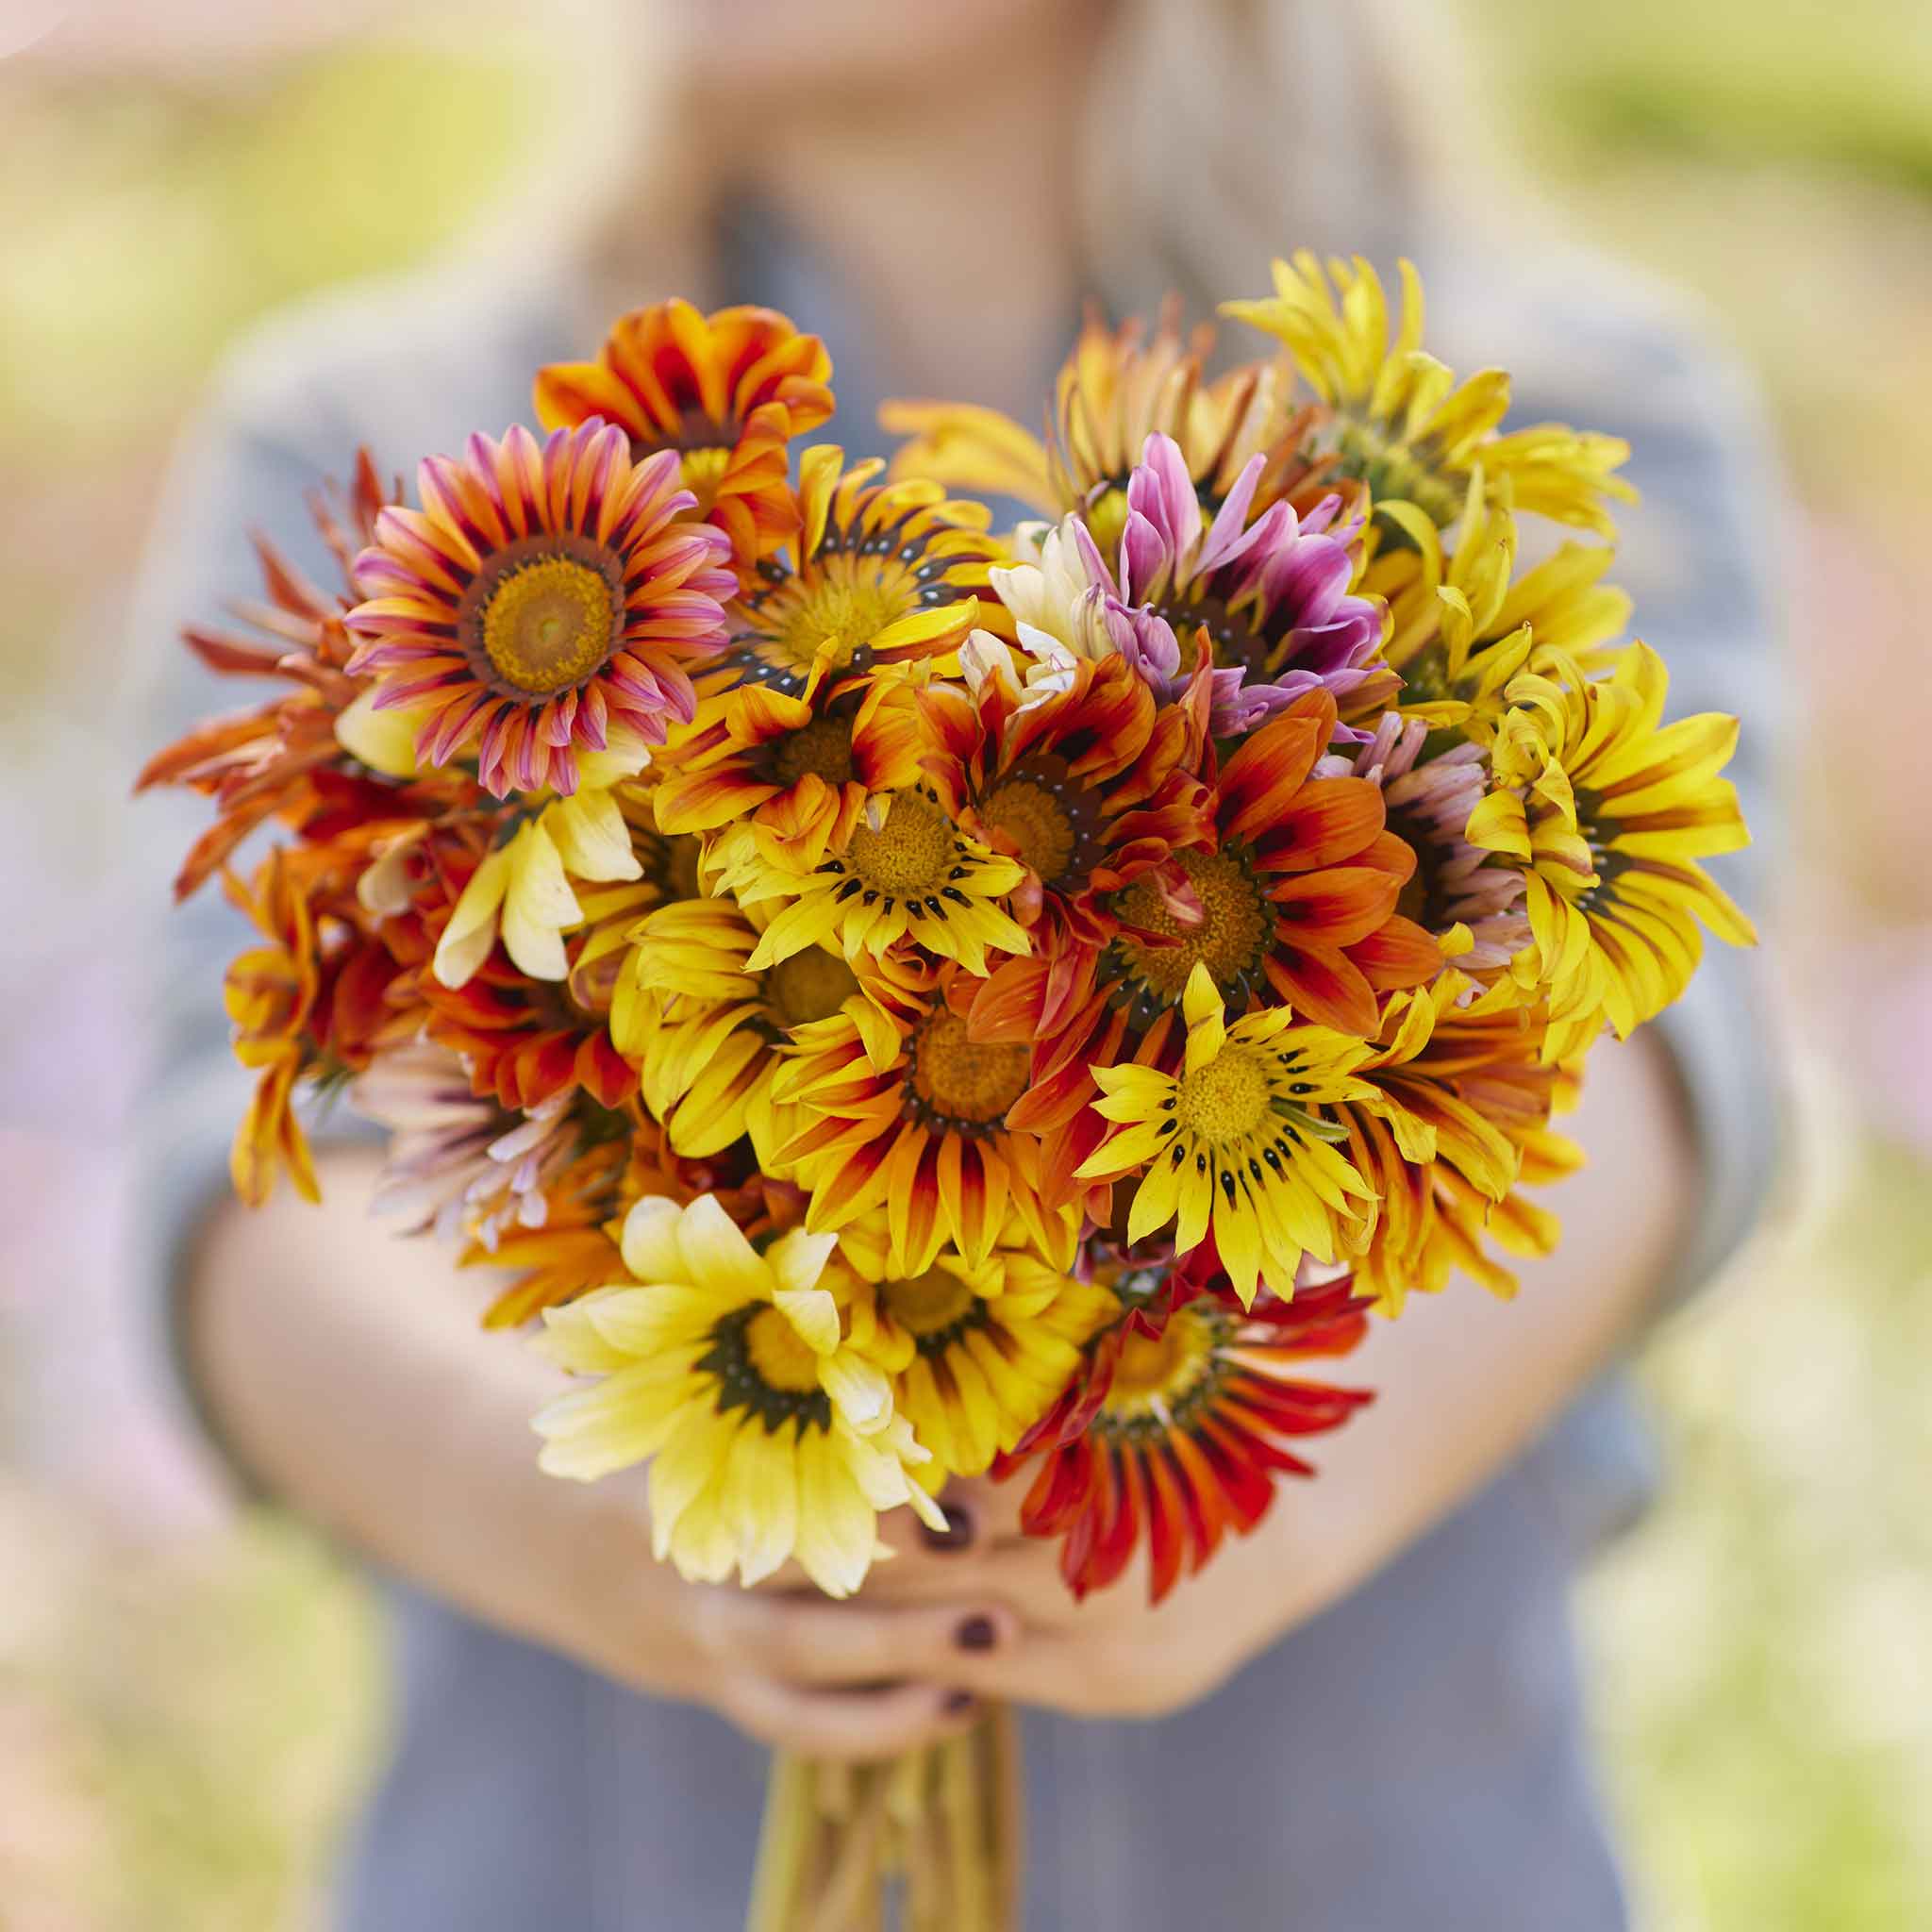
(846, 1726)
(807, 1641)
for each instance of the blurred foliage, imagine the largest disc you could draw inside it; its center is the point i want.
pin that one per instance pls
(180, 1734)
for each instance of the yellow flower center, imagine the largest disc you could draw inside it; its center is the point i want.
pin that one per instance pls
(927, 1304)
(1161, 1370)
(823, 746)
(910, 855)
(1038, 824)
(842, 601)
(779, 1354)
(701, 471)
(1229, 940)
(964, 1080)
(811, 985)
(1106, 516)
(1228, 1098)
(546, 621)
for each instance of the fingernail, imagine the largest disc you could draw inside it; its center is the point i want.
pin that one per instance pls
(956, 1535)
(976, 1633)
(958, 1700)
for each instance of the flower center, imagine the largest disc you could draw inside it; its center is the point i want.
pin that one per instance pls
(910, 855)
(701, 471)
(823, 746)
(761, 1364)
(1040, 810)
(543, 611)
(811, 985)
(840, 603)
(965, 1082)
(1227, 1099)
(1157, 1375)
(927, 1304)
(1229, 940)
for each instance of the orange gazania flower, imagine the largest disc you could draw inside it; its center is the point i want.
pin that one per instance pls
(727, 391)
(923, 1137)
(545, 598)
(1175, 1429)
(1088, 788)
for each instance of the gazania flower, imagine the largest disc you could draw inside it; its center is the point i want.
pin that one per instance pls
(727, 391)
(1086, 787)
(1605, 810)
(456, 1162)
(522, 890)
(977, 1352)
(1235, 1141)
(546, 599)
(796, 769)
(1457, 894)
(1458, 1125)
(706, 1030)
(1402, 425)
(771, 1436)
(1463, 626)
(923, 1137)
(283, 761)
(1113, 392)
(1175, 1431)
(907, 872)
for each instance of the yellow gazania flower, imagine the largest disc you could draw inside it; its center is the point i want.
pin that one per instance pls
(708, 1031)
(1233, 1142)
(1462, 625)
(1459, 1124)
(907, 870)
(522, 888)
(770, 1434)
(977, 1352)
(1606, 810)
(1405, 427)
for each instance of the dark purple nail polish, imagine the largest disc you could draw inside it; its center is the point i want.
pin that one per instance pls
(958, 1700)
(958, 1533)
(976, 1633)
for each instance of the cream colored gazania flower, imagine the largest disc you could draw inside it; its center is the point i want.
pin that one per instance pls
(522, 888)
(771, 1433)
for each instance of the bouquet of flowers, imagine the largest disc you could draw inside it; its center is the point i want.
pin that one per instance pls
(903, 1001)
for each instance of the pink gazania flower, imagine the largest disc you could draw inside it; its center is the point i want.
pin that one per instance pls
(1457, 893)
(1273, 595)
(546, 598)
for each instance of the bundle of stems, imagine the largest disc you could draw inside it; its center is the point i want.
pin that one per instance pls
(929, 1842)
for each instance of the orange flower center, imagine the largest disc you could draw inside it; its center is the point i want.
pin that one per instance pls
(811, 985)
(822, 748)
(971, 1082)
(927, 1304)
(543, 612)
(701, 471)
(1033, 812)
(1230, 938)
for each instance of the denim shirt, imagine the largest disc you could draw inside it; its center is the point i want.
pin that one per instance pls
(1414, 1756)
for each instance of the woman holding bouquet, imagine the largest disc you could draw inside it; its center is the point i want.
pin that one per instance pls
(1366, 1713)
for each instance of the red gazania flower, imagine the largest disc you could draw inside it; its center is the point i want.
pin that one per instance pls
(727, 391)
(921, 1135)
(1088, 788)
(1177, 1427)
(545, 598)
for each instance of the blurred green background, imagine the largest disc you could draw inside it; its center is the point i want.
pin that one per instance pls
(183, 1717)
